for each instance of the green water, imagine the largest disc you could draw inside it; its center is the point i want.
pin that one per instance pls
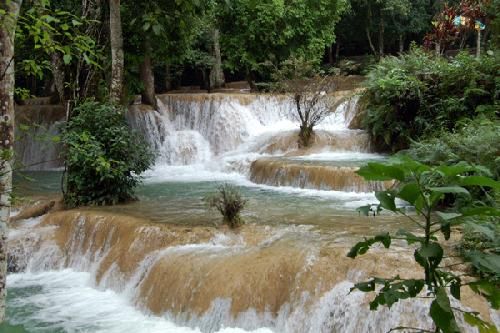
(183, 203)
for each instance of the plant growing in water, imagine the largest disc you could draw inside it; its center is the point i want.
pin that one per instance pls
(425, 187)
(104, 158)
(309, 92)
(229, 202)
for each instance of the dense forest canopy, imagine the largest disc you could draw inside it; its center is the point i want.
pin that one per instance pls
(198, 43)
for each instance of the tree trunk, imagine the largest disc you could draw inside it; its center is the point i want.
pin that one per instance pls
(147, 76)
(367, 30)
(58, 74)
(337, 52)
(168, 78)
(478, 46)
(7, 33)
(438, 48)
(117, 59)
(401, 43)
(217, 74)
(331, 61)
(381, 30)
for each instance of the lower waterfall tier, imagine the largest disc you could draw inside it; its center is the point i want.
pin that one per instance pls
(288, 279)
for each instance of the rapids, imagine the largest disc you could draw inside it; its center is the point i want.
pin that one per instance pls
(162, 265)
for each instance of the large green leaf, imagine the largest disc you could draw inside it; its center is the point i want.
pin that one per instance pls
(480, 181)
(481, 211)
(381, 172)
(489, 291)
(450, 189)
(485, 262)
(454, 170)
(442, 314)
(387, 200)
(447, 216)
(409, 193)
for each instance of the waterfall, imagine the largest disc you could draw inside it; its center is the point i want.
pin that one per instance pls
(37, 136)
(287, 279)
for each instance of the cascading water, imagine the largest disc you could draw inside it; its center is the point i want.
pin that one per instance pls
(286, 279)
(222, 134)
(113, 270)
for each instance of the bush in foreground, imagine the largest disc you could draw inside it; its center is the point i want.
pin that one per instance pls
(104, 158)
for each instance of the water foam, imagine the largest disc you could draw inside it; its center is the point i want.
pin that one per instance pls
(66, 301)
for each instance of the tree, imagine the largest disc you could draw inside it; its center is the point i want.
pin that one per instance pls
(309, 92)
(104, 157)
(254, 33)
(117, 58)
(166, 25)
(9, 11)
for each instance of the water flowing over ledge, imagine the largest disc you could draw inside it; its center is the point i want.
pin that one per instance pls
(287, 279)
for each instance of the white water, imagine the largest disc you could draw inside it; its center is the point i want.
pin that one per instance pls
(67, 301)
(217, 137)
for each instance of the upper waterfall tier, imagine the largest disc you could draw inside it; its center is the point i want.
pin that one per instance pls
(192, 129)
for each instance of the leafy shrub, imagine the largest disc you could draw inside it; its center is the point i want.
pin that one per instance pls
(229, 202)
(412, 96)
(425, 187)
(104, 158)
(475, 142)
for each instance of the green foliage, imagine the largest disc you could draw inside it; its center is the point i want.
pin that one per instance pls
(255, 32)
(104, 157)
(229, 202)
(473, 142)
(413, 96)
(425, 187)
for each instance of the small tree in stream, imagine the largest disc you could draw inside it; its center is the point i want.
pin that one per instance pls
(309, 92)
(104, 158)
(229, 202)
(425, 188)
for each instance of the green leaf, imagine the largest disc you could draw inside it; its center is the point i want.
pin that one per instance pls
(157, 29)
(409, 193)
(475, 321)
(446, 230)
(481, 211)
(381, 172)
(485, 262)
(442, 314)
(362, 247)
(488, 290)
(430, 254)
(67, 59)
(453, 170)
(365, 286)
(450, 189)
(409, 237)
(447, 216)
(387, 200)
(480, 181)
(485, 230)
(455, 288)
